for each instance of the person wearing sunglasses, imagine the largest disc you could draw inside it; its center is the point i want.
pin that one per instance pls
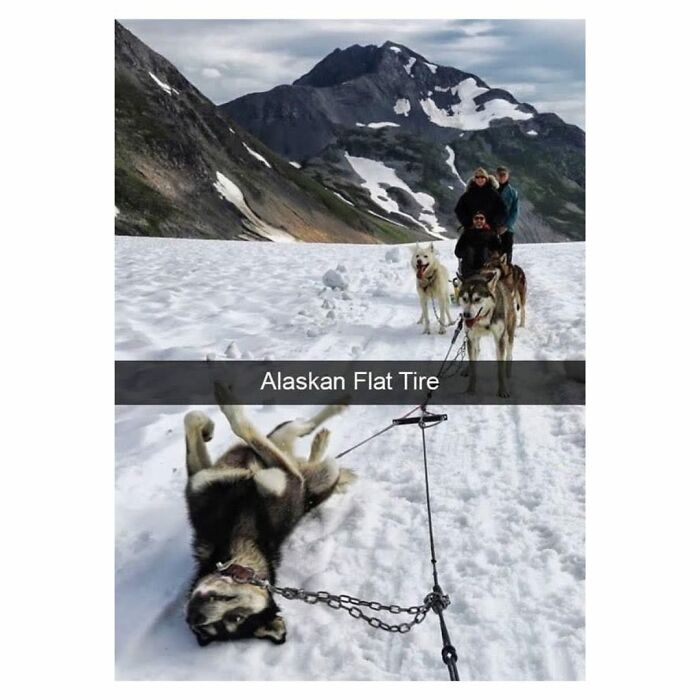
(474, 245)
(482, 196)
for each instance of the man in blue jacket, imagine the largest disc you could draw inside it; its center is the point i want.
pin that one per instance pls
(509, 195)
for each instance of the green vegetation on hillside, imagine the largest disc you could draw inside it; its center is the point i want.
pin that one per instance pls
(134, 193)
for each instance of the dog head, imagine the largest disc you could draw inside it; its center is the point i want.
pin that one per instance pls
(223, 609)
(423, 260)
(477, 297)
(498, 262)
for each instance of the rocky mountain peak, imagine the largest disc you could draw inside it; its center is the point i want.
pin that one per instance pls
(342, 65)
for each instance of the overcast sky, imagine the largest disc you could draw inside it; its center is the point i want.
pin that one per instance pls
(540, 61)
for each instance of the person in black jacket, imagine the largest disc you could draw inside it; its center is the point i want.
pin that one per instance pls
(474, 244)
(482, 195)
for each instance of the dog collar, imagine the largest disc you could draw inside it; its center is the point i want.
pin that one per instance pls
(239, 573)
(426, 281)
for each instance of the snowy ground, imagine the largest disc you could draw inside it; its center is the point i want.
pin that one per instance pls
(507, 482)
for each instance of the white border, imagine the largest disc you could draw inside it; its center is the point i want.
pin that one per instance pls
(57, 285)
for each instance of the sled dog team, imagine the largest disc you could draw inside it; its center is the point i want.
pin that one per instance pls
(245, 504)
(489, 288)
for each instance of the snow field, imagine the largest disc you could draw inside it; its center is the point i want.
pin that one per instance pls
(507, 482)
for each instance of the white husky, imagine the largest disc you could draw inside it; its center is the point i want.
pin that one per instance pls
(432, 284)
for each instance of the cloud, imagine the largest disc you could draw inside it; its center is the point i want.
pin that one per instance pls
(540, 61)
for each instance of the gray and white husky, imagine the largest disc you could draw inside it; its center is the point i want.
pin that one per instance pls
(432, 285)
(242, 507)
(488, 309)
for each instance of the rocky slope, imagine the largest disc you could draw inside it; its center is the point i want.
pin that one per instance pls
(184, 169)
(425, 127)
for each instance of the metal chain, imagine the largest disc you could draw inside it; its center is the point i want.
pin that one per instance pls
(352, 606)
(437, 316)
(433, 601)
(452, 366)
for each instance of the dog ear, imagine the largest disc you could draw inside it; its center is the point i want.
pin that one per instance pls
(275, 630)
(492, 281)
(203, 640)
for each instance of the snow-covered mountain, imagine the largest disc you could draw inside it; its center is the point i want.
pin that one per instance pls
(182, 169)
(370, 86)
(507, 482)
(431, 125)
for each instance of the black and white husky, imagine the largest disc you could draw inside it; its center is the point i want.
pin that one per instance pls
(242, 508)
(488, 309)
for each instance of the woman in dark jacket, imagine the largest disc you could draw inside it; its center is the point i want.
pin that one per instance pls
(481, 195)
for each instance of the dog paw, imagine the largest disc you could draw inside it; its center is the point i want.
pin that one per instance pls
(197, 421)
(442, 331)
(232, 409)
(504, 393)
(426, 331)
(319, 446)
(224, 394)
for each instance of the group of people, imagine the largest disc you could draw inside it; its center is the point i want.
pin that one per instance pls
(487, 211)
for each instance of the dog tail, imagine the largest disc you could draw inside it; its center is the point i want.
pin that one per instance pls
(347, 478)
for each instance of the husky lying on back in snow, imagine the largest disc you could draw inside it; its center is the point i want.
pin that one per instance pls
(242, 508)
(513, 277)
(432, 284)
(488, 308)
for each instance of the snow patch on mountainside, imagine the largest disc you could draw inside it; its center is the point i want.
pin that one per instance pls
(231, 192)
(451, 164)
(391, 221)
(402, 106)
(375, 175)
(380, 125)
(431, 67)
(340, 196)
(464, 114)
(164, 86)
(408, 66)
(255, 154)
